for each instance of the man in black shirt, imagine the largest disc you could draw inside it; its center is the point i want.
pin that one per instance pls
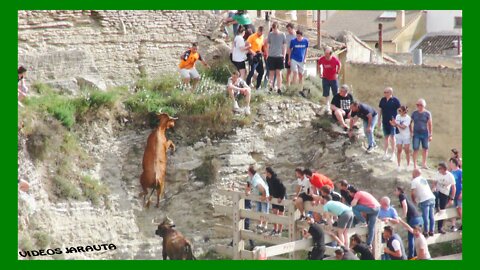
(412, 216)
(360, 247)
(370, 119)
(340, 106)
(343, 186)
(318, 237)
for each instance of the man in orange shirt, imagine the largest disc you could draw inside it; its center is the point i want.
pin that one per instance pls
(318, 180)
(187, 65)
(256, 58)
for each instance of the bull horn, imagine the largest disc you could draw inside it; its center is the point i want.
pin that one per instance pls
(168, 221)
(154, 222)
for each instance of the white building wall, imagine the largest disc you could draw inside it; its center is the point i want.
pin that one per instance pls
(442, 21)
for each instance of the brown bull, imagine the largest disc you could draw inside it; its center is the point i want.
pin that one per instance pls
(155, 159)
(175, 245)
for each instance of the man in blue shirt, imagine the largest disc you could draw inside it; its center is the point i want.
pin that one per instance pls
(297, 53)
(369, 117)
(387, 213)
(389, 106)
(457, 201)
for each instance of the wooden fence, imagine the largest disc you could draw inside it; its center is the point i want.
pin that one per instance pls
(293, 243)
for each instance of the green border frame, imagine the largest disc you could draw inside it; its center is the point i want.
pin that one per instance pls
(9, 23)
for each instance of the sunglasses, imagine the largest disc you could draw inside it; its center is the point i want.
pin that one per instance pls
(421, 105)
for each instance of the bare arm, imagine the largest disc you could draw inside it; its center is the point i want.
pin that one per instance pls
(379, 117)
(404, 208)
(404, 224)
(429, 126)
(354, 202)
(306, 53)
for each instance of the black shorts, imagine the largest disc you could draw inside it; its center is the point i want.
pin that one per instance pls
(305, 197)
(287, 66)
(275, 63)
(239, 65)
(280, 208)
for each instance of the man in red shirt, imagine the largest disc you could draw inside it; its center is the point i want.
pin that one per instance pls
(330, 68)
(317, 180)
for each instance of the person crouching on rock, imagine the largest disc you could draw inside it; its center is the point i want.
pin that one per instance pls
(235, 87)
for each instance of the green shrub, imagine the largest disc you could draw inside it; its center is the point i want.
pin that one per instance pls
(42, 239)
(219, 71)
(324, 123)
(64, 188)
(92, 189)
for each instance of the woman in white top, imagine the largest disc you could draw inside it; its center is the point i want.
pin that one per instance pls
(402, 122)
(22, 87)
(239, 52)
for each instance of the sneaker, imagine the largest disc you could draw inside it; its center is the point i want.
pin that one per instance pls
(442, 231)
(425, 234)
(370, 149)
(235, 106)
(345, 129)
(361, 224)
(454, 228)
(302, 94)
(430, 233)
(385, 156)
(247, 110)
(273, 233)
(392, 158)
(399, 169)
(279, 91)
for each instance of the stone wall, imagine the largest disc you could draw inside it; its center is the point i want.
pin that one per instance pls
(107, 47)
(441, 88)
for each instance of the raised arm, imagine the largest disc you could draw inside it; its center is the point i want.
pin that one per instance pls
(404, 224)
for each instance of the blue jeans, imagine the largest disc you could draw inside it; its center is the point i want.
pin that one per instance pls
(248, 205)
(427, 214)
(329, 84)
(420, 138)
(369, 135)
(372, 214)
(411, 240)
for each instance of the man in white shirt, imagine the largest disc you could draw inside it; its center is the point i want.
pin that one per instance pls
(259, 188)
(445, 190)
(423, 195)
(302, 192)
(235, 87)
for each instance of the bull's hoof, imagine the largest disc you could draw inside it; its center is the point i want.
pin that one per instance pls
(157, 205)
(147, 205)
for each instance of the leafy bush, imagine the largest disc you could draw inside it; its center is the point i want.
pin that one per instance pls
(93, 189)
(42, 239)
(64, 188)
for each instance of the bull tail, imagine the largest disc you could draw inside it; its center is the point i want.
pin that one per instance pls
(189, 252)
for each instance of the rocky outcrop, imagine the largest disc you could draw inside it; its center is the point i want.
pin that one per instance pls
(114, 47)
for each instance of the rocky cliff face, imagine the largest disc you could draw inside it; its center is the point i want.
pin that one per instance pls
(281, 136)
(69, 49)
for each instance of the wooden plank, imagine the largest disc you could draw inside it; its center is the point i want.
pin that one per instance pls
(247, 255)
(452, 257)
(238, 244)
(289, 247)
(269, 217)
(440, 238)
(274, 240)
(252, 197)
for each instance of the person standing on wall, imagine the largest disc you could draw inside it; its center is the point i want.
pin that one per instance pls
(256, 59)
(239, 52)
(276, 46)
(421, 128)
(187, 66)
(388, 111)
(290, 36)
(330, 68)
(297, 55)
